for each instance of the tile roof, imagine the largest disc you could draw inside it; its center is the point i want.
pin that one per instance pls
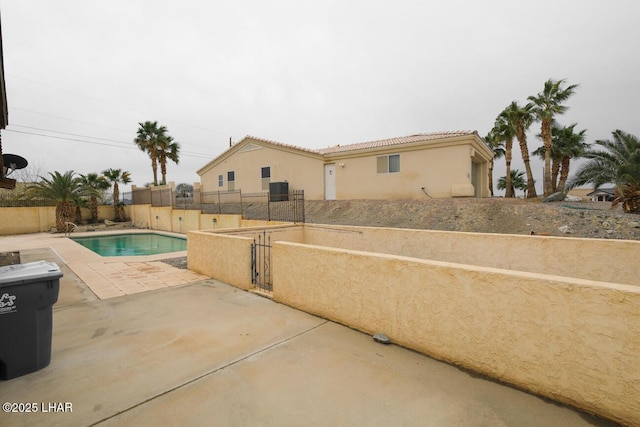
(280, 144)
(395, 141)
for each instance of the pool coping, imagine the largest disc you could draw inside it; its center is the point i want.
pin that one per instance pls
(121, 232)
(108, 277)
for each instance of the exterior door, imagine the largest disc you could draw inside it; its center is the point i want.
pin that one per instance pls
(330, 181)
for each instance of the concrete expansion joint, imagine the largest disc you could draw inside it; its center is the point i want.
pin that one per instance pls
(213, 371)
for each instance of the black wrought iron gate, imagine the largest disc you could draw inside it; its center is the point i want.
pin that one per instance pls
(261, 262)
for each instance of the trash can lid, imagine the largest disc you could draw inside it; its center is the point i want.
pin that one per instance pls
(29, 271)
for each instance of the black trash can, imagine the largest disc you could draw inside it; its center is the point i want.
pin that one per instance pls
(27, 294)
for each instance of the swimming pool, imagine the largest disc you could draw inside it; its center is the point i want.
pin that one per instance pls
(132, 244)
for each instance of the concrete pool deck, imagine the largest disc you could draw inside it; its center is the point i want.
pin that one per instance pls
(204, 353)
(107, 277)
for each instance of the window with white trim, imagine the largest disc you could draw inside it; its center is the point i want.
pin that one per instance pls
(266, 177)
(388, 164)
(220, 180)
(231, 180)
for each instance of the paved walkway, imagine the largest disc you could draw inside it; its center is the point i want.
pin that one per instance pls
(207, 354)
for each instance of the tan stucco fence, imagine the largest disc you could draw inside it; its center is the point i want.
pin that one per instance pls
(39, 219)
(25, 220)
(554, 316)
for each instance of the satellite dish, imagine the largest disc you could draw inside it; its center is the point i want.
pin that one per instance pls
(13, 162)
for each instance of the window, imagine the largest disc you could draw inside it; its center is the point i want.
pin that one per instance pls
(231, 180)
(220, 181)
(266, 177)
(389, 164)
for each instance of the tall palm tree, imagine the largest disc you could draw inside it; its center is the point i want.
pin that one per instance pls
(571, 145)
(148, 138)
(521, 117)
(556, 160)
(615, 161)
(567, 145)
(63, 190)
(517, 181)
(546, 105)
(504, 131)
(167, 150)
(94, 185)
(498, 151)
(116, 176)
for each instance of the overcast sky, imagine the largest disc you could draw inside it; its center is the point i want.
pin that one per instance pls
(81, 74)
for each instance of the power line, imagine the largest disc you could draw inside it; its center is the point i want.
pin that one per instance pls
(71, 120)
(82, 122)
(113, 104)
(95, 137)
(199, 155)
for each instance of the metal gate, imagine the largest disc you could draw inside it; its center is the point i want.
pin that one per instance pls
(261, 262)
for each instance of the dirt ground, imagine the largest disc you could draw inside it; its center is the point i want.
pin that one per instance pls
(496, 215)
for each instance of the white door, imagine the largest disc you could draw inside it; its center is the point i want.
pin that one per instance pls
(330, 181)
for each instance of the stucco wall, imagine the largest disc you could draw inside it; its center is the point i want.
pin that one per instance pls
(438, 169)
(589, 259)
(40, 218)
(226, 254)
(572, 340)
(225, 257)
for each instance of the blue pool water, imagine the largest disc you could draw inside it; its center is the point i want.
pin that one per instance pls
(132, 244)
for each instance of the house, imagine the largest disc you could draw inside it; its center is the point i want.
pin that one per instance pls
(434, 165)
(602, 194)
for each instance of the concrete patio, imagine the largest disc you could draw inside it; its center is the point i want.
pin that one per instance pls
(194, 351)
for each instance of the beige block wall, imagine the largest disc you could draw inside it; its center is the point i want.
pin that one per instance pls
(572, 340)
(224, 257)
(589, 259)
(225, 254)
(39, 218)
(183, 220)
(222, 221)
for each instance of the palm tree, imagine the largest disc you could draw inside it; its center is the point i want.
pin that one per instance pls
(116, 176)
(63, 190)
(570, 145)
(94, 184)
(567, 145)
(498, 151)
(167, 150)
(517, 182)
(504, 131)
(616, 161)
(556, 160)
(521, 117)
(148, 139)
(546, 105)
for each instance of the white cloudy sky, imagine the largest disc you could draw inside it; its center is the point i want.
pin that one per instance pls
(81, 74)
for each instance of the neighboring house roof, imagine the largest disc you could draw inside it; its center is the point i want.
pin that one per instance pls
(610, 191)
(338, 149)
